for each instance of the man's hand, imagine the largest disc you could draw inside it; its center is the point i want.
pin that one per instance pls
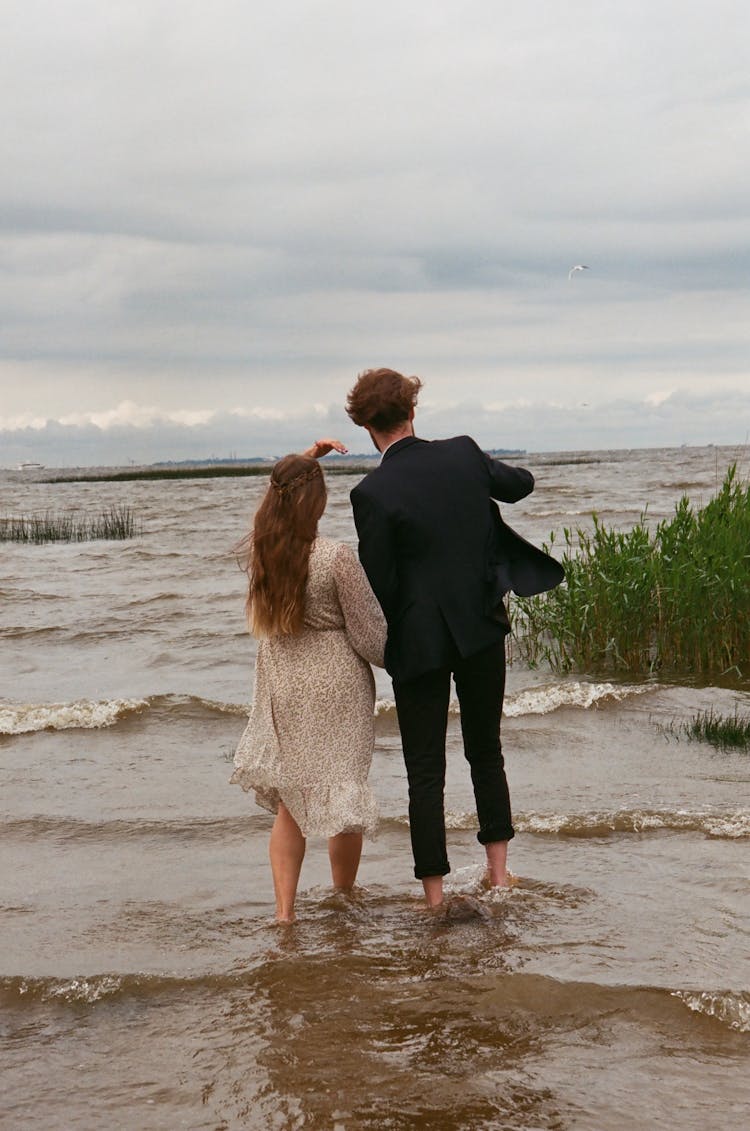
(322, 447)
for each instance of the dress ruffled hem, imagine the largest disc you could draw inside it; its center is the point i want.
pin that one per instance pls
(320, 810)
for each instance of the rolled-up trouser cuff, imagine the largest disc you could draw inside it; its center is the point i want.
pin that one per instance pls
(495, 833)
(423, 873)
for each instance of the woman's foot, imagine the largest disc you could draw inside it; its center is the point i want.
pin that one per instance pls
(287, 851)
(344, 853)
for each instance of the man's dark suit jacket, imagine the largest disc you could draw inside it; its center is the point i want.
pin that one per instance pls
(437, 553)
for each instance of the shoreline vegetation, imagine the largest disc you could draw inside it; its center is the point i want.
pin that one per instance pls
(117, 523)
(673, 599)
(726, 732)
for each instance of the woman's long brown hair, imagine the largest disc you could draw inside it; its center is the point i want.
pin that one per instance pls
(278, 550)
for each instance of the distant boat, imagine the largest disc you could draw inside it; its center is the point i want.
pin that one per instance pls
(29, 465)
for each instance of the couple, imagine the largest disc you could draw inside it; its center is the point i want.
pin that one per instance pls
(439, 559)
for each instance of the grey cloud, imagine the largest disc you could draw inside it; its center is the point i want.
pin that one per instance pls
(253, 197)
(717, 416)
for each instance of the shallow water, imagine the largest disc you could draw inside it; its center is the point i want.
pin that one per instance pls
(142, 982)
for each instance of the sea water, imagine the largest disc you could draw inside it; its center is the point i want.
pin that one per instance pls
(143, 983)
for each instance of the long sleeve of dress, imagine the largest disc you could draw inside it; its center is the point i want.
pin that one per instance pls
(363, 617)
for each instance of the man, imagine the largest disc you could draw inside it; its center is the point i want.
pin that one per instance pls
(440, 559)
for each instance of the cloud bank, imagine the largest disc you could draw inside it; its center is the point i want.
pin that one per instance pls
(138, 434)
(246, 207)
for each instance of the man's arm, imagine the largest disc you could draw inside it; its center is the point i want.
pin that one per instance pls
(376, 551)
(508, 484)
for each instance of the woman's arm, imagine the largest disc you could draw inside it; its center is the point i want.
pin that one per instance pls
(322, 447)
(363, 616)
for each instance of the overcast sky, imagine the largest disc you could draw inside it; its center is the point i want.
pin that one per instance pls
(213, 216)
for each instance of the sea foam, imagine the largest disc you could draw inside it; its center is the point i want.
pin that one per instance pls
(551, 697)
(732, 1009)
(602, 823)
(86, 714)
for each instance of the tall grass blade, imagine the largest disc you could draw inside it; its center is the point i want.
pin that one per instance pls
(116, 523)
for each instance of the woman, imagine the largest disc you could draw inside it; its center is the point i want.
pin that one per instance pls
(308, 744)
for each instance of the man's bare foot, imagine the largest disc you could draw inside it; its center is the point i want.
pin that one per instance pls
(433, 890)
(504, 880)
(497, 863)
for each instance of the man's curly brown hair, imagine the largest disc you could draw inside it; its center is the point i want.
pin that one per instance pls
(382, 399)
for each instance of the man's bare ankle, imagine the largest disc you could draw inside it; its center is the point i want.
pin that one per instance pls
(433, 890)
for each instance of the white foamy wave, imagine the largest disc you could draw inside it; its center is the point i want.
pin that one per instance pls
(733, 1009)
(561, 514)
(456, 820)
(26, 718)
(729, 825)
(75, 990)
(609, 824)
(218, 705)
(85, 989)
(599, 824)
(733, 825)
(542, 700)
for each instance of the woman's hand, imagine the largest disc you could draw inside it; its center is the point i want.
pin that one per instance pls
(322, 447)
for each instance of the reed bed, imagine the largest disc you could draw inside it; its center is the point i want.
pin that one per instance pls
(115, 523)
(675, 599)
(724, 731)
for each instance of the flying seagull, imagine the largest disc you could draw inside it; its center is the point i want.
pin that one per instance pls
(578, 267)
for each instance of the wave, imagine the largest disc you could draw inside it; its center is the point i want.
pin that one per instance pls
(22, 631)
(78, 829)
(732, 1009)
(728, 1008)
(561, 513)
(19, 594)
(26, 718)
(730, 826)
(550, 697)
(88, 714)
(726, 826)
(86, 990)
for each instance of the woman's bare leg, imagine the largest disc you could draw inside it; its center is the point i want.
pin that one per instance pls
(286, 851)
(344, 852)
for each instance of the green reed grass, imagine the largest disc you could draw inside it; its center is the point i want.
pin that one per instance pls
(115, 523)
(675, 598)
(724, 731)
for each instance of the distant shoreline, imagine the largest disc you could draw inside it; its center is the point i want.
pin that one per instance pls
(359, 465)
(215, 472)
